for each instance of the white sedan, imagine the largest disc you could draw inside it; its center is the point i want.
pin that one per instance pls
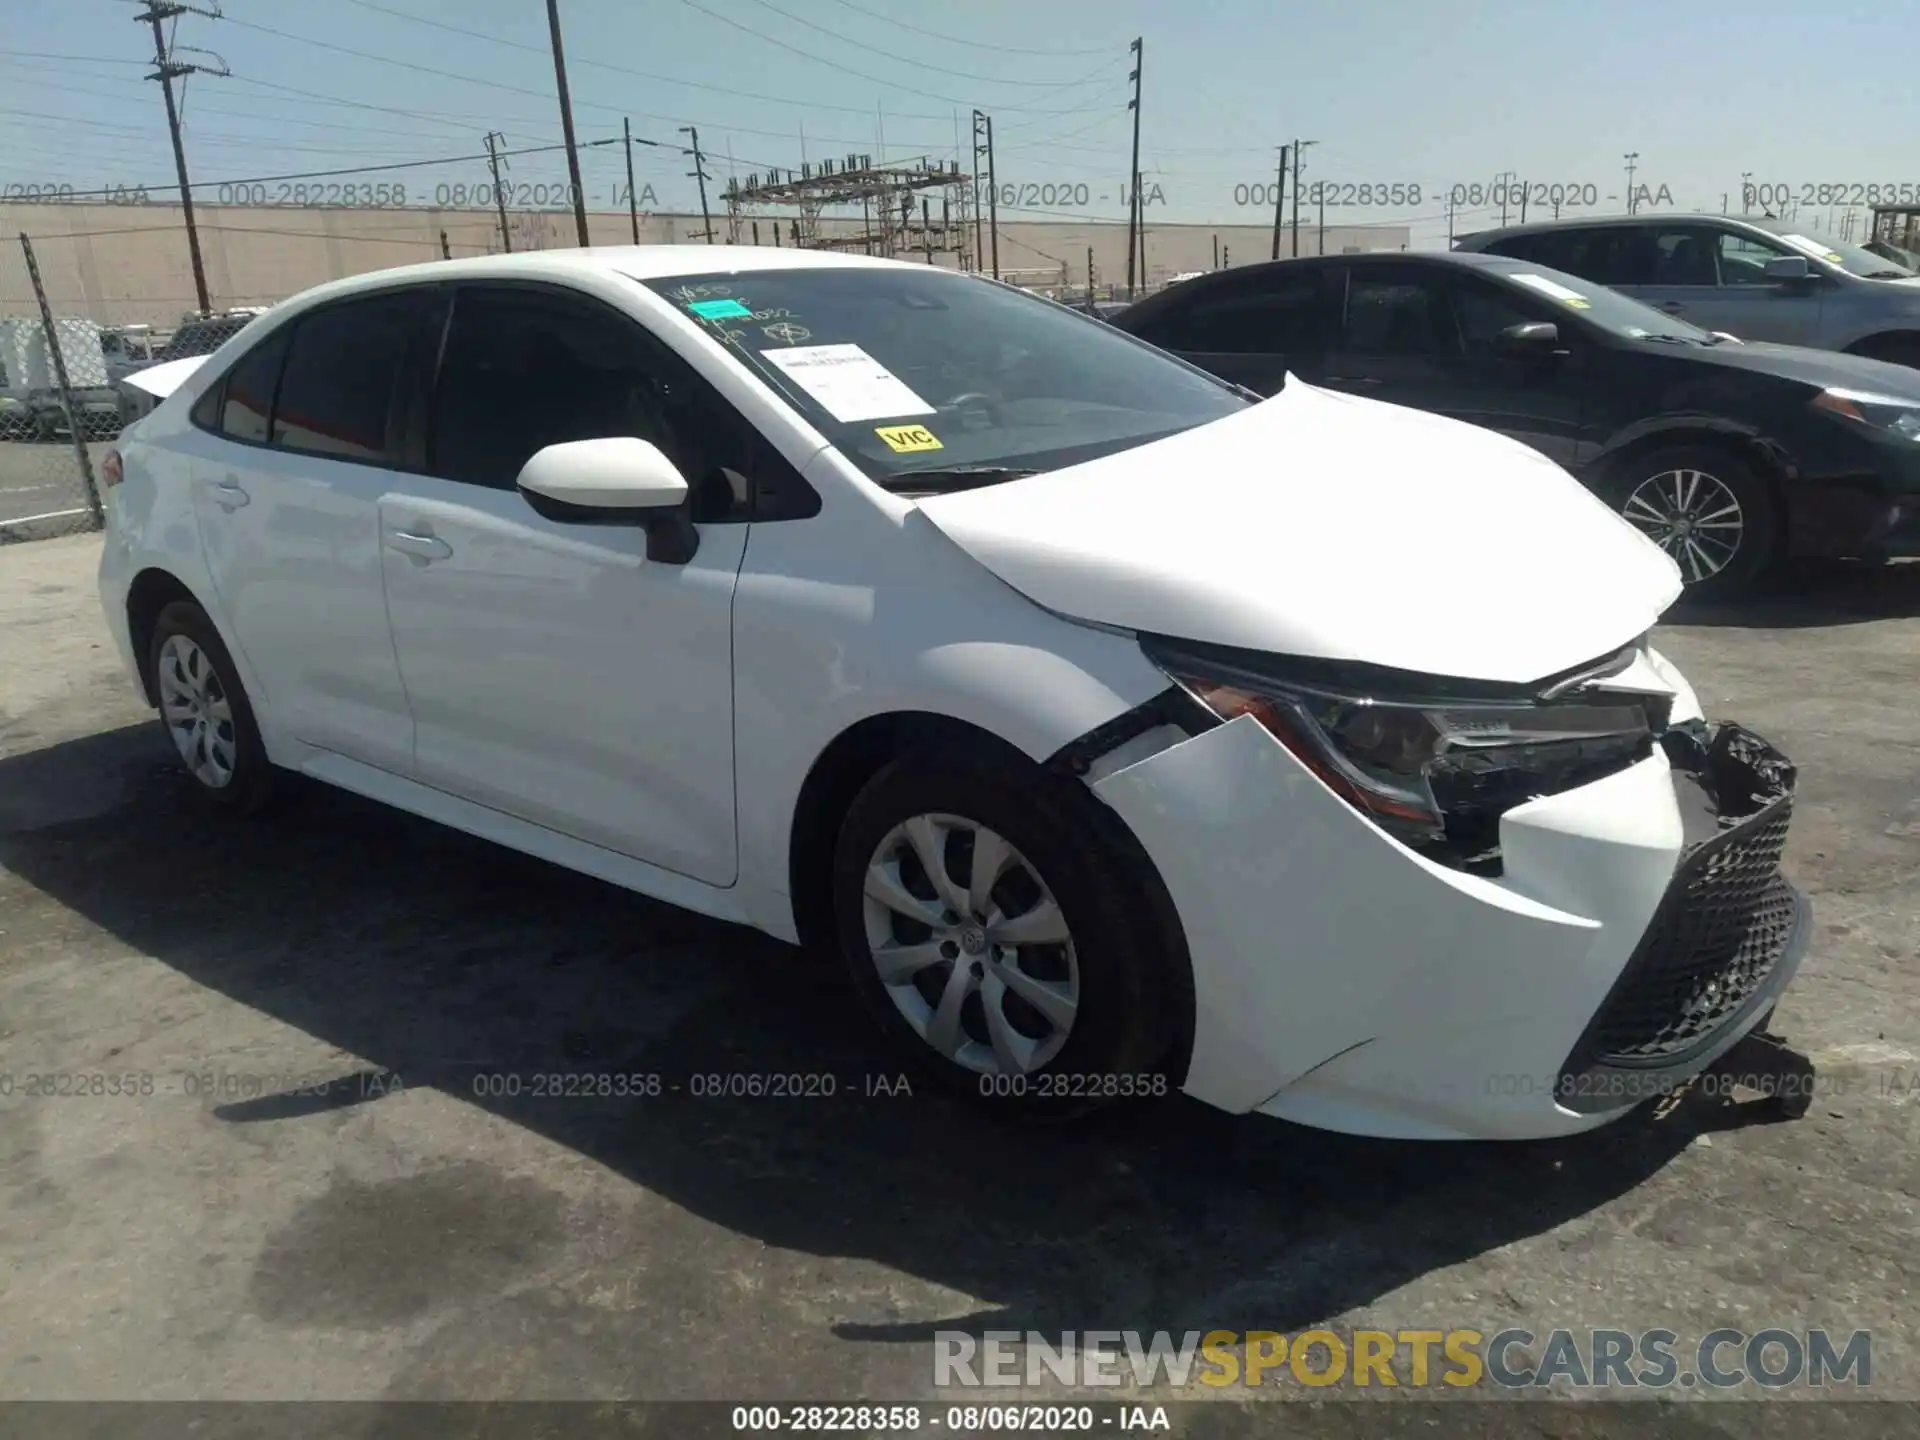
(1123, 735)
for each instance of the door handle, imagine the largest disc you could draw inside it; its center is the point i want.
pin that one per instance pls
(420, 547)
(228, 495)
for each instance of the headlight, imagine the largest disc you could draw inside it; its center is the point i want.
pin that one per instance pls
(1883, 412)
(1435, 773)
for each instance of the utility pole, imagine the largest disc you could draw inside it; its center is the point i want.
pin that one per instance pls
(1449, 219)
(446, 250)
(499, 193)
(1505, 181)
(1746, 192)
(1226, 257)
(1089, 272)
(633, 205)
(1279, 203)
(1631, 157)
(1133, 175)
(983, 150)
(1216, 251)
(700, 173)
(566, 122)
(1524, 187)
(1323, 219)
(166, 69)
(1298, 170)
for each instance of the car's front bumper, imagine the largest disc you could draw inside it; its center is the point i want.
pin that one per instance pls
(1342, 981)
(1864, 505)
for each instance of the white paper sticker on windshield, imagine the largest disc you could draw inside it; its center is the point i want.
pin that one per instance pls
(1813, 247)
(1549, 288)
(848, 382)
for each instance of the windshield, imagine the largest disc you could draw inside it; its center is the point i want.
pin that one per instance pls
(1597, 305)
(1854, 259)
(913, 372)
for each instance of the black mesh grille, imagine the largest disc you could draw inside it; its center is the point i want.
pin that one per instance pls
(1724, 926)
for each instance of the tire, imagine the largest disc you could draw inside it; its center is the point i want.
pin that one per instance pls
(1113, 982)
(205, 711)
(1711, 481)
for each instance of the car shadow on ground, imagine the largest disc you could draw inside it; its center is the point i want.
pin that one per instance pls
(1810, 594)
(443, 960)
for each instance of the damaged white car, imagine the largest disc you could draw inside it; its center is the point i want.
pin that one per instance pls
(1122, 734)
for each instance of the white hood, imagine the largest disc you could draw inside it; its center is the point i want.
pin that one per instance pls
(1318, 524)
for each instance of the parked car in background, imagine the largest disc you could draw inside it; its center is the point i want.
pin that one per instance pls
(1727, 455)
(1017, 661)
(1757, 279)
(128, 348)
(35, 378)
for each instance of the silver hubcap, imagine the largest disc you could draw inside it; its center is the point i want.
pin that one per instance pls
(971, 945)
(1690, 515)
(194, 705)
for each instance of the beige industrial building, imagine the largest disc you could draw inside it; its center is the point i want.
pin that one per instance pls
(121, 264)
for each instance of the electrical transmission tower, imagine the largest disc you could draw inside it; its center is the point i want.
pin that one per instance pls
(167, 69)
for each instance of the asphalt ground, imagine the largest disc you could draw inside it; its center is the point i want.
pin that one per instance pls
(317, 1183)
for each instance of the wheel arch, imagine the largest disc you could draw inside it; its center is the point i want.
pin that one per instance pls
(1899, 346)
(863, 749)
(1765, 456)
(150, 592)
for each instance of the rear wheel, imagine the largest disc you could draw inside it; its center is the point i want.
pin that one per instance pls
(204, 707)
(1706, 508)
(1005, 952)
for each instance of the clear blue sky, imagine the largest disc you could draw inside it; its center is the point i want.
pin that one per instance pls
(1394, 92)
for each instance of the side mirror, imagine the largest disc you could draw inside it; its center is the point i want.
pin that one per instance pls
(1533, 337)
(620, 480)
(1789, 267)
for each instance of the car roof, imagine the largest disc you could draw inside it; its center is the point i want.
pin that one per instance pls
(1595, 222)
(635, 262)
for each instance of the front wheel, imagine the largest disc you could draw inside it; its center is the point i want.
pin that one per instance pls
(1712, 514)
(998, 943)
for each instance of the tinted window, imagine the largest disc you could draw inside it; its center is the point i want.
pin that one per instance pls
(1606, 255)
(1483, 310)
(1398, 314)
(342, 378)
(248, 398)
(1280, 314)
(524, 369)
(1685, 257)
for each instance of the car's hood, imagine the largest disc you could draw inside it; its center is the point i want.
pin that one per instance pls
(165, 377)
(1323, 525)
(1818, 368)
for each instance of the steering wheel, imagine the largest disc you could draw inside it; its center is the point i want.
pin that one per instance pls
(974, 399)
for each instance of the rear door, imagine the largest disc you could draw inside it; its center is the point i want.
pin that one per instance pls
(1256, 329)
(308, 434)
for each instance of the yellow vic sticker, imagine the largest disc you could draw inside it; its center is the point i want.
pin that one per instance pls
(904, 438)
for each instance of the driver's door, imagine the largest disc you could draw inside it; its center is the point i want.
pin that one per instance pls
(554, 671)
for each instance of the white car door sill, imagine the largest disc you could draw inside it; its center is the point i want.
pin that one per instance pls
(528, 838)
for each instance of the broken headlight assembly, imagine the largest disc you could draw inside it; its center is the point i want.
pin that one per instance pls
(1432, 763)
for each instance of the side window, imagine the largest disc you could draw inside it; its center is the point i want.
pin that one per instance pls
(1606, 255)
(1743, 259)
(1398, 313)
(526, 368)
(339, 388)
(1285, 313)
(1483, 310)
(1685, 257)
(247, 401)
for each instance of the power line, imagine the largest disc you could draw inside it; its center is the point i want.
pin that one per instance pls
(837, 37)
(836, 65)
(957, 40)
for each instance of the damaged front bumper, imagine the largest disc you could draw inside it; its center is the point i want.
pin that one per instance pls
(1639, 928)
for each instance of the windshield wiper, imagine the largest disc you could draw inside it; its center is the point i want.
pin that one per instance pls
(951, 478)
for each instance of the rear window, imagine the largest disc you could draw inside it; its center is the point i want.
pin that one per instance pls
(247, 402)
(341, 381)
